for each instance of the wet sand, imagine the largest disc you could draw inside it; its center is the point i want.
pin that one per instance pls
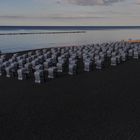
(99, 105)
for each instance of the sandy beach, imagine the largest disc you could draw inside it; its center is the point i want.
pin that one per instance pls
(96, 105)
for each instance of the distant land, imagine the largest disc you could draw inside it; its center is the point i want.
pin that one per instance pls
(29, 33)
(66, 27)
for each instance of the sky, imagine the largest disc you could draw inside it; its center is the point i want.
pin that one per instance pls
(70, 12)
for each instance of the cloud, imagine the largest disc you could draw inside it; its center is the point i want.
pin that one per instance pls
(90, 2)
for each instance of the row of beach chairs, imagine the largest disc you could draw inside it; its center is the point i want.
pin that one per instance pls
(48, 63)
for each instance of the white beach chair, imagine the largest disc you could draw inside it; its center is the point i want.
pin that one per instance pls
(22, 73)
(39, 76)
(52, 72)
(113, 61)
(72, 69)
(99, 64)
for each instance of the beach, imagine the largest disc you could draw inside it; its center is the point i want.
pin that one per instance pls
(102, 104)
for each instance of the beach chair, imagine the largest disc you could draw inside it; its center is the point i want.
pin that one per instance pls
(47, 64)
(1, 61)
(99, 64)
(54, 60)
(130, 53)
(30, 53)
(38, 52)
(25, 56)
(15, 55)
(1, 69)
(28, 66)
(28, 59)
(34, 63)
(136, 55)
(38, 67)
(44, 51)
(52, 72)
(118, 58)
(19, 58)
(21, 63)
(39, 76)
(72, 69)
(12, 60)
(88, 66)
(96, 58)
(113, 61)
(22, 74)
(109, 53)
(3, 57)
(123, 56)
(9, 71)
(113, 54)
(60, 67)
(102, 56)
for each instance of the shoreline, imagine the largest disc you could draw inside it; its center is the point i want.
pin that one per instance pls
(22, 33)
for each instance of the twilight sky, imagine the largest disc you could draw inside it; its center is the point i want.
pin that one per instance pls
(70, 12)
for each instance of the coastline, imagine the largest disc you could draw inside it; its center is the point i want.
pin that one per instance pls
(31, 33)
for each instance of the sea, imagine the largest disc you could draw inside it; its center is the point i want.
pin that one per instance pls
(21, 38)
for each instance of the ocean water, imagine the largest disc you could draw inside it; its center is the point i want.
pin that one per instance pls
(56, 36)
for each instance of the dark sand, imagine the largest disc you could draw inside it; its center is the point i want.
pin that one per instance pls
(100, 105)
